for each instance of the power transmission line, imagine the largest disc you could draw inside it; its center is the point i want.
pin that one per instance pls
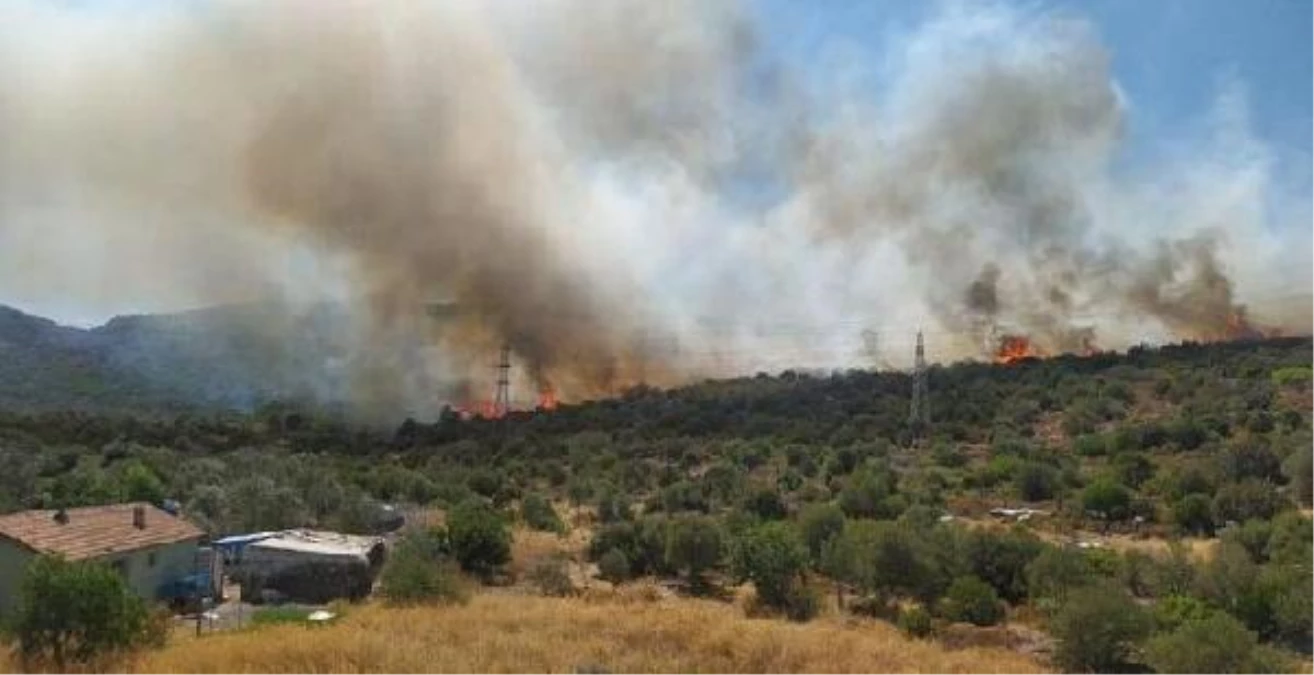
(502, 398)
(919, 417)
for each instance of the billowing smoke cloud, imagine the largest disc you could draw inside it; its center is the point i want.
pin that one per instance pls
(622, 192)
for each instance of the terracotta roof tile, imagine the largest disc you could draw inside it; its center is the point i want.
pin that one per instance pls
(95, 531)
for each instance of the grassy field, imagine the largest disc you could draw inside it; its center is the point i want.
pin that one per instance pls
(635, 627)
(628, 632)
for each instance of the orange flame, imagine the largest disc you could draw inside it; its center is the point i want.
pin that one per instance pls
(547, 398)
(1239, 327)
(1014, 348)
(1236, 324)
(481, 409)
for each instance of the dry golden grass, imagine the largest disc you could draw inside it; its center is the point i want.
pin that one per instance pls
(508, 633)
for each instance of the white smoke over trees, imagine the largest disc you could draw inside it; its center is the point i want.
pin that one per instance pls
(568, 179)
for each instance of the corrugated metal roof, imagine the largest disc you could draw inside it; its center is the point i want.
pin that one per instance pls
(95, 531)
(320, 543)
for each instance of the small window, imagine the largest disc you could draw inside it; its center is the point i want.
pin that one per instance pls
(150, 559)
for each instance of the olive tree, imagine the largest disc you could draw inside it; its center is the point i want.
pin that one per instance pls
(77, 612)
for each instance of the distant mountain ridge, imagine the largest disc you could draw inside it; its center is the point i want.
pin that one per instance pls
(225, 357)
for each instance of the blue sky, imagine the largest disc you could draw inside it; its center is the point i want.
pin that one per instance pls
(1169, 56)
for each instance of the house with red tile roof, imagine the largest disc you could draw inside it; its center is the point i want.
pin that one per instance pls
(149, 546)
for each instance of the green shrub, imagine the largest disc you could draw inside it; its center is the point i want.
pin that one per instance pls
(819, 525)
(773, 558)
(870, 493)
(1216, 643)
(948, 455)
(1194, 514)
(480, 539)
(1107, 498)
(789, 481)
(916, 622)
(1249, 499)
(1035, 481)
(1138, 571)
(1056, 572)
(1097, 629)
(631, 541)
(79, 613)
(1299, 470)
(1174, 574)
(538, 514)
(1001, 560)
(1287, 593)
(1231, 581)
(1292, 376)
(694, 545)
(613, 566)
(420, 571)
(974, 601)
(431, 542)
(1133, 468)
(1248, 456)
(1188, 433)
(1253, 536)
(613, 508)
(887, 559)
(1291, 541)
(681, 496)
(766, 504)
(1175, 610)
(1090, 445)
(485, 482)
(140, 484)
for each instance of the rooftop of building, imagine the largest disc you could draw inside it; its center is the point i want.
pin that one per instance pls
(96, 531)
(320, 543)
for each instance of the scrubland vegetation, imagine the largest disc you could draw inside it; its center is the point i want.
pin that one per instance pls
(799, 521)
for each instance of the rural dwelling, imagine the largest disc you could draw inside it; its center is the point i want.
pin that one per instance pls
(310, 565)
(150, 547)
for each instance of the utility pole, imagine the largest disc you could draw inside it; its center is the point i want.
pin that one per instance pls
(199, 598)
(919, 417)
(502, 398)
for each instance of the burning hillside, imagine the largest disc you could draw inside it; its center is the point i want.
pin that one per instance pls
(576, 185)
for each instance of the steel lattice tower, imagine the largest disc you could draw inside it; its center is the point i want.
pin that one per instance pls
(502, 398)
(919, 417)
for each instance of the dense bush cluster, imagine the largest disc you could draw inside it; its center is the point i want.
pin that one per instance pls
(421, 569)
(80, 614)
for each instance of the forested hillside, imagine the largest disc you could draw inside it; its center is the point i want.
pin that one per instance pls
(1034, 430)
(809, 484)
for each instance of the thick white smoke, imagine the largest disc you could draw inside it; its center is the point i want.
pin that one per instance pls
(622, 191)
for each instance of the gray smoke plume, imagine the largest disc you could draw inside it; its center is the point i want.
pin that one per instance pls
(567, 182)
